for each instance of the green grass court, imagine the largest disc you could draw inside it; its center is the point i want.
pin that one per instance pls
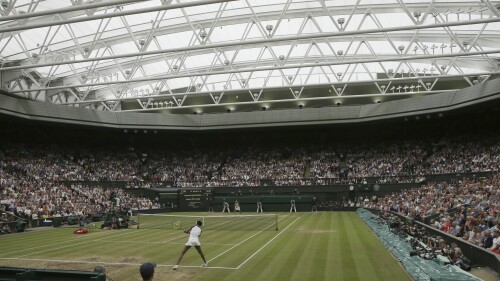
(320, 246)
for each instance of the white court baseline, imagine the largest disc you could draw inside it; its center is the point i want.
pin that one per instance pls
(113, 263)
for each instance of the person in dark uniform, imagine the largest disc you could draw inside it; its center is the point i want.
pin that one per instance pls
(314, 204)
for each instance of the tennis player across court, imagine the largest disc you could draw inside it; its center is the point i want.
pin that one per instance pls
(194, 234)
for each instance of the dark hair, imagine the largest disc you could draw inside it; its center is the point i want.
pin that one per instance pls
(199, 223)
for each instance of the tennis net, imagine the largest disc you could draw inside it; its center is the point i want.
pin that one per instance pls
(227, 222)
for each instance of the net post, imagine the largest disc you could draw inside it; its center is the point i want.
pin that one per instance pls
(276, 218)
(138, 220)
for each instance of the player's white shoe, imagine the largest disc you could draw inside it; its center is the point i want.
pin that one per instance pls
(205, 264)
(175, 267)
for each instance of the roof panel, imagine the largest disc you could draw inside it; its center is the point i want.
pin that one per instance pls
(183, 40)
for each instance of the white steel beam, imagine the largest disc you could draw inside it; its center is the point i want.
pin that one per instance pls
(392, 80)
(68, 9)
(111, 15)
(279, 67)
(262, 41)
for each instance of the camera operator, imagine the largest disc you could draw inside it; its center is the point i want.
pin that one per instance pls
(443, 249)
(460, 260)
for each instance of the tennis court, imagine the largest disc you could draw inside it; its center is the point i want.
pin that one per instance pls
(307, 246)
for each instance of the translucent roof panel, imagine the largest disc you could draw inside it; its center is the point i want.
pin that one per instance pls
(247, 45)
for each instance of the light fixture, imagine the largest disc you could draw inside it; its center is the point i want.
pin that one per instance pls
(269, 28)
(226, 62)
(175, 67)
(142, 42)
(282, 57)
(203, 34)
(5, 4)
(341, 22)
(340, 52)
(443, 46)
(401, 48)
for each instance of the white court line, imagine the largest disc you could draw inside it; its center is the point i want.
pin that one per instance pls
(153, 242)
(114, 263)
(57, 243)
(263, 246)
(244, 240)
(184, 235)
(86, 241)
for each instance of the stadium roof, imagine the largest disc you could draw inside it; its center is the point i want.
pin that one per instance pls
(181, 56)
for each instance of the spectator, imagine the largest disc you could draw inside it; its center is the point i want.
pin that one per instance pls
(147, 271)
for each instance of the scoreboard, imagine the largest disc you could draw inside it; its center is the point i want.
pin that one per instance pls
(195, 199)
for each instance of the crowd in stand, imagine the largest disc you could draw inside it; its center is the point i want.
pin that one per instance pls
(31, 176)
(29, 185)
(468, 209)
(257, 166)
(285, 166)
(57, 200)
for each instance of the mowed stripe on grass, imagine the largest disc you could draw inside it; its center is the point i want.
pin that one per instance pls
(309, 246)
